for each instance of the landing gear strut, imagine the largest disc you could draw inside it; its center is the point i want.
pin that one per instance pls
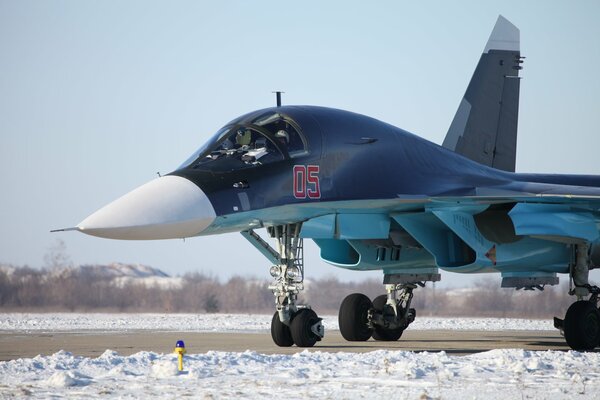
(384, 319)
(581, 326)
(392, 314)
(292, 323)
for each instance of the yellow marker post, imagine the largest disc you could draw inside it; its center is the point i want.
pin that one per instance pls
(180, 351)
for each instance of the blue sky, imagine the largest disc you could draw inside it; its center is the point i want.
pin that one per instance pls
(97, 96)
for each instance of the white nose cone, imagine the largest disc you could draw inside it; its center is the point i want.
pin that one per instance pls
(166, 208)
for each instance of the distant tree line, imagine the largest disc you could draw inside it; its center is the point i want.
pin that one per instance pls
(27, 289)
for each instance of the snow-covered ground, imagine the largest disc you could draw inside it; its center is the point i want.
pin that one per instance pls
(497, 374)
(249, 323)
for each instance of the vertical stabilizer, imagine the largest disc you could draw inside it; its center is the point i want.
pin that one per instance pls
(484, 128)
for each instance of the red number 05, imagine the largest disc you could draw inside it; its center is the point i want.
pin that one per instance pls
(306, 182)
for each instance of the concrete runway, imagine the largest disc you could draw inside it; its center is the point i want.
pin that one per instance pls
(92, 344)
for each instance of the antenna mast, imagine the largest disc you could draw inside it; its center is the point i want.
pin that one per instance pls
(278, 94)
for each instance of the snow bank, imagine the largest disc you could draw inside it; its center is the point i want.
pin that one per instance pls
(62, 379)
(248, 323)
(497, 374)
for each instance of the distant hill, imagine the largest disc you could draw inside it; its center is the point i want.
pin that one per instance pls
(118, 274)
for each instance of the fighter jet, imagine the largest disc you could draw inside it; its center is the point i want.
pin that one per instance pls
(376, 197)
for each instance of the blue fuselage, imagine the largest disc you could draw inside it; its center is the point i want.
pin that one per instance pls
(361, 182)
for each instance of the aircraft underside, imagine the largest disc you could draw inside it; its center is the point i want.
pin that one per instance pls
(411, 247)
(532, 241)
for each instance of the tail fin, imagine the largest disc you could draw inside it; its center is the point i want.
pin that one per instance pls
(484, 128)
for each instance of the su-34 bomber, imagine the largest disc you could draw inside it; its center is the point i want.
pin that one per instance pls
(375, 197)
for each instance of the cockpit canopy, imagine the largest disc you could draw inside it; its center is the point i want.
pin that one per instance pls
(256, 140)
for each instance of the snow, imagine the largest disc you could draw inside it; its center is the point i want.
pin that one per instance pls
(248, 323)
(497, 374)
(62, 379)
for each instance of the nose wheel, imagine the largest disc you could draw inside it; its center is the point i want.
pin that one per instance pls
(281, 334)
(306, 328)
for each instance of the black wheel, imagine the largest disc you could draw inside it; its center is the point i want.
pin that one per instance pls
(353, 318)
(582, 326)
(280, 332)
(381, 333)
(301, 326)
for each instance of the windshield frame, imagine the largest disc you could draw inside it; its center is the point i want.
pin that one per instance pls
(249, 122)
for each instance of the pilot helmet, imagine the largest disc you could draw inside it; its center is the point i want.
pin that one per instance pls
(227, 145)
(243, 137)
(281, 134)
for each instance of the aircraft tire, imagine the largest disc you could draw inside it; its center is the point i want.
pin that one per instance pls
(281, 334)
(381, 333)
(353, 318)
(300, 328)
(582, 326)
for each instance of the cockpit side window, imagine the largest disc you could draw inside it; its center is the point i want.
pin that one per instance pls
(286, 132)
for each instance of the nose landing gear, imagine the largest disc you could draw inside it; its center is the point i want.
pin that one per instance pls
(292, 323)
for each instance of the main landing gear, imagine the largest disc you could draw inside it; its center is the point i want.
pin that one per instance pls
(292, 323)
(581, 326)
(385, 318)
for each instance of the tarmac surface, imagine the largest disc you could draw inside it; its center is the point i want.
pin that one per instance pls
(92, 344)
